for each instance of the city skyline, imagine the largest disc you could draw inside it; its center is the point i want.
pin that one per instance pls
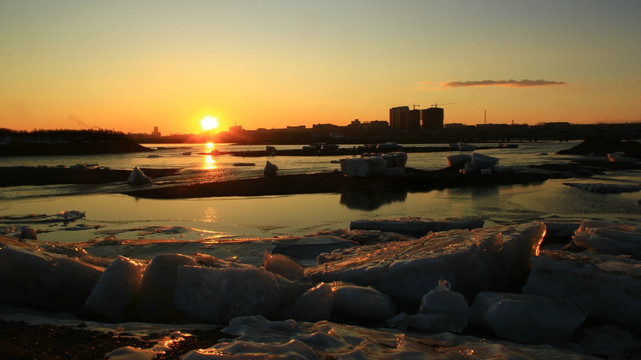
(133, 66)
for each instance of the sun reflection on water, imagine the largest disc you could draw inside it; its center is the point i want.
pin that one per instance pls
(210, 163)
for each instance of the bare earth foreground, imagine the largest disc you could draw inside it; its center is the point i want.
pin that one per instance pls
(22, 341)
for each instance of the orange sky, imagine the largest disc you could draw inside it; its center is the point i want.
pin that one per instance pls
(132, 66)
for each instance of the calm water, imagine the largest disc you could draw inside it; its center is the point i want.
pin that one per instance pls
(111, 214)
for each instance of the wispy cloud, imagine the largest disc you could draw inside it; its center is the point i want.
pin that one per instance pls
(506, 83)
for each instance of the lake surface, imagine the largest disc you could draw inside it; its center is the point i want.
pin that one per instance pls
(125, 217)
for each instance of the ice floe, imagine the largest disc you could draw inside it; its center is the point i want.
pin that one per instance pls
(270, 169)
(257, 337)
(369, 165)
(58, 283)
(443, 301)
(217, 295)
(470, 260)
(416, 226)
(526, 318)
(138, 177)
(606, 188)
(113, 296)
(609, 238)
(65, 216)
(432, 278)
(605, 286)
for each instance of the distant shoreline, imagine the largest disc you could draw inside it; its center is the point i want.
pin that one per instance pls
(66, 142)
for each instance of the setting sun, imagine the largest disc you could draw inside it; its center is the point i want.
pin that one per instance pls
(209, 123)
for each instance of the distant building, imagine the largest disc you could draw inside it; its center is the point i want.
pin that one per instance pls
(298, 128)
(413, 120)
(236, 129)
(432, 118)
(398, 117)
(155, 132)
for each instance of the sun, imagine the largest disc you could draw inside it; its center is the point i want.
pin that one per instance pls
(209, 123)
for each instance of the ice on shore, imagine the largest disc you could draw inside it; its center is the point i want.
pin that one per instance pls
(609, 238)
(470, 260)
(50, 282)
(113, 296)
(137, 177)
(369, 165)
(606, 188)
(443, 301)
(270, 169)
(65, 216)
(417, 226)
(310, 247)
(156, 297)
(458, 160)
(608, 287)
(257, 337)
(216, 295)
(477, 163)
(526, 318)
(282, 265)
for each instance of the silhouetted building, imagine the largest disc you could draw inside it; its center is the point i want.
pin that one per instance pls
(155, 132)
(432, 118)
(398, 117)
(413, 120)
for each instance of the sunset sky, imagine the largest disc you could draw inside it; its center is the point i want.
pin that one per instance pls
(130, 66)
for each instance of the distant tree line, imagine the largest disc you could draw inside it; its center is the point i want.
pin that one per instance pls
(61, 133)
(65, 142)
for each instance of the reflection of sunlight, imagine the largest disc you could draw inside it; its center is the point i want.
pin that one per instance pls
(210, 145)
(210, 215)
(210, 163)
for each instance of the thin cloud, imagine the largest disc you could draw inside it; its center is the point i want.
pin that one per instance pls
(426, 85)
(506, 83)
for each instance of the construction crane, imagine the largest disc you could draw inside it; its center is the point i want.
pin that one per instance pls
(437, 104)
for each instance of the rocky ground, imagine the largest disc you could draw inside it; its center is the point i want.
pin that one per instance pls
(19, 340)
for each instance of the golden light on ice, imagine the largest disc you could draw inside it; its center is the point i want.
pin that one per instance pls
(209, 123)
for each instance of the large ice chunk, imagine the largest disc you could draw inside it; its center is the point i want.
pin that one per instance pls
(65, 285)
(257, 338)
(270, 169)
(417, 226)
(46, 281)
(113, 296)
(137, 177)
(310, 247)
(363, 167)
(443, 301)
(282, 265)
(472, 261)
(217, 295)
(18, 268)
(313, 305)
(526, 319)
(375, 165)
(606, 286)
(609, 238)
(155, 302)
(606, 188)
(362, 303)
(458, 160)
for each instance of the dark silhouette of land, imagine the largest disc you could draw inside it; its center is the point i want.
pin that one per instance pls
(379, 131)
(66, 142)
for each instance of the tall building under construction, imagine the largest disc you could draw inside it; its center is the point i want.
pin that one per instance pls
(398, 117)
(402, 118)
(432, 118)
